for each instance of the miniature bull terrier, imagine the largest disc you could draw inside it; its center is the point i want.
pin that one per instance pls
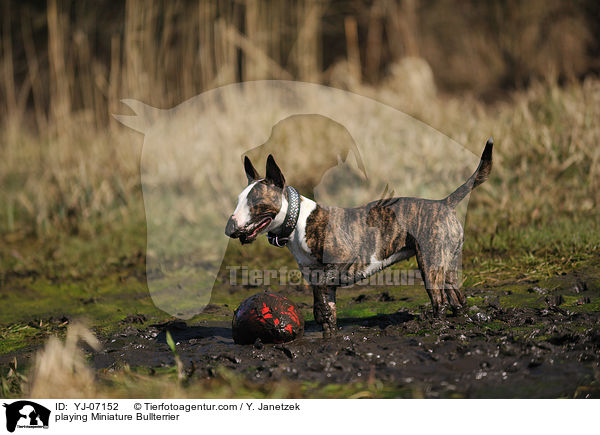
(336, 246)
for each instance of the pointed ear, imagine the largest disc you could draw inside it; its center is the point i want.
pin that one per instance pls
(274, 175)
(145, 116)
(250, 171)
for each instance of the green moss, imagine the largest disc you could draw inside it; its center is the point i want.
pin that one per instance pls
(18, 336)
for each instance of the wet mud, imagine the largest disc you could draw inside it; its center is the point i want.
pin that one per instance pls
(516, 339)
(488, 351)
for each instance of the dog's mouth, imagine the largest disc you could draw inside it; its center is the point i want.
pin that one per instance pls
(249, 235)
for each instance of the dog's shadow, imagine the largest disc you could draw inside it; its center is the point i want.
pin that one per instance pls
(380, 321)
(181, 332)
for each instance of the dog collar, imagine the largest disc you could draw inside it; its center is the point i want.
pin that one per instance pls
(291, 219)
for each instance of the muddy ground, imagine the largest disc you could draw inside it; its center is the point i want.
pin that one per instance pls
(488, 351)
(530, 329)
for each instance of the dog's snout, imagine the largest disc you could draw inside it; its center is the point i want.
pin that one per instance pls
(231, 228)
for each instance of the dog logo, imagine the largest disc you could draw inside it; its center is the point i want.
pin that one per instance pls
(334, 147)
(26, 414)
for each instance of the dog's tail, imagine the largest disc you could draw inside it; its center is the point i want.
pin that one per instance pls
(478, 177)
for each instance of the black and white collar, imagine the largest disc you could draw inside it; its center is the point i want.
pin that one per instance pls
(289, 223)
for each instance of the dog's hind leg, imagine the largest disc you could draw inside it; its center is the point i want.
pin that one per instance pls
(433, 275)
(433, 280)
(324, 308)
(452, 285)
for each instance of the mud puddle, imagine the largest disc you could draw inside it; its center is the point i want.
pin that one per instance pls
(517, 339)
(485, 352)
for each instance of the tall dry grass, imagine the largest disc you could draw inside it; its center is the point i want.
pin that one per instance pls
(64, 159)
(66, 164)
(546, 161)
(60, 368)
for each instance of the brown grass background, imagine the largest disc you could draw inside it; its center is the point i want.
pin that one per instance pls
(524, 71)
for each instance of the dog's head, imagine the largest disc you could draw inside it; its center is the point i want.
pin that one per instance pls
(259, 204)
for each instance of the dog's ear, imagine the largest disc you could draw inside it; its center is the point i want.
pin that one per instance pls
(274, 175)
(250, 171)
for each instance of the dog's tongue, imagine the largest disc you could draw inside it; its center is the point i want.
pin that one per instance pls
(260, 227)
(247, 239)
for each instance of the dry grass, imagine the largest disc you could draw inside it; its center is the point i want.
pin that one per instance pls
(547, 161)
(61, 370)
(67, 166)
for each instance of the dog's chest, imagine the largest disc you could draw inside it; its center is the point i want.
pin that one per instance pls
(298, 243)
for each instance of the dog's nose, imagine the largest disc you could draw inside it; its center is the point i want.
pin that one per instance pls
(231, 228)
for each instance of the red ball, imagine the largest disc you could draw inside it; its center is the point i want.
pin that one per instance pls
(269, 316)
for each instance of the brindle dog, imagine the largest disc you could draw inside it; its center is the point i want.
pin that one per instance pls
(336, 246)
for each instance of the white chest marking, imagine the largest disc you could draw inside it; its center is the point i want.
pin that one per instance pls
(297, 245)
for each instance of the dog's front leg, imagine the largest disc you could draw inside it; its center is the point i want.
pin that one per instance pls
(324, 308)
